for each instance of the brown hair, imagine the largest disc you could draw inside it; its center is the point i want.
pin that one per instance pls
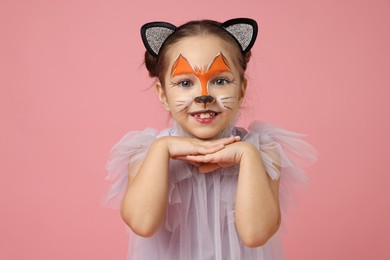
(156, 65)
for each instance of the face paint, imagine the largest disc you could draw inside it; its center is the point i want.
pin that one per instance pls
(182, 67)
(187, 87)
(182, 103)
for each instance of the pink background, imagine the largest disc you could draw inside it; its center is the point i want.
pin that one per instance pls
(72, 83)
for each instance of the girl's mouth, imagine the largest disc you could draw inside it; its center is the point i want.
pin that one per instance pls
(204, 116)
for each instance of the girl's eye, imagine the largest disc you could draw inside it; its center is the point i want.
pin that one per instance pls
(221, 82)
(185, 83)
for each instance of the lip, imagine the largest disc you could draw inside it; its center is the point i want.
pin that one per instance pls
(204, 116)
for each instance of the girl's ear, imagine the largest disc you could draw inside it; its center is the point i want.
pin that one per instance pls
(162, 95)
(243, 87)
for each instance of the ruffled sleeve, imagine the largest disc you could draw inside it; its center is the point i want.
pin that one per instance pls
(131, 148)
(284, 155)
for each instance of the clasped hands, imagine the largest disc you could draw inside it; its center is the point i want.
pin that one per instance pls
(208, 155)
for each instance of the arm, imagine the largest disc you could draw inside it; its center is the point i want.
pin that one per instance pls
(257, 201)
(146, 198)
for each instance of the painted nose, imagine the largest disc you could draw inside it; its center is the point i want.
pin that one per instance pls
(204, 99)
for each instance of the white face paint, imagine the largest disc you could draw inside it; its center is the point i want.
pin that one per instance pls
(202, 88)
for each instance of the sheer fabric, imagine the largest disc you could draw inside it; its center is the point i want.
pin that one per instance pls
(199, 222)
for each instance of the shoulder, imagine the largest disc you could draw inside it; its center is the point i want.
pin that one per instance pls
(266, 133)
(132, 146)
(140, 138)
(285, 154)
(279, 148)
(128, 152)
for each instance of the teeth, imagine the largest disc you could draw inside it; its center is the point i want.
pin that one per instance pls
(205, 115)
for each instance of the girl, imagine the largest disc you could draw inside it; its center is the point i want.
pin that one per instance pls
(204, 189)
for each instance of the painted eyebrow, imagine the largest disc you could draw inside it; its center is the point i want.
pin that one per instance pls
(219, 65)
(182, 66)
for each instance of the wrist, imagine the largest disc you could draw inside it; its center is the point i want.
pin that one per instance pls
(248, 151)
(168, 145)
(161, 144)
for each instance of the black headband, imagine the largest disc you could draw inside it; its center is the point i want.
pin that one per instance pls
(243, 30)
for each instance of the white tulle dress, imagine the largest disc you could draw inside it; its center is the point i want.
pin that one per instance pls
(199, 222)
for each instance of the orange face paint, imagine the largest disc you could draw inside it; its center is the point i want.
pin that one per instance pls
(182, 67)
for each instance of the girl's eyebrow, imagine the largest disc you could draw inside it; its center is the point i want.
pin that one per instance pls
(182, 66)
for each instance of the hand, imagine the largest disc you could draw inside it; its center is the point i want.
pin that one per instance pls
(180, 147)
(230, 155)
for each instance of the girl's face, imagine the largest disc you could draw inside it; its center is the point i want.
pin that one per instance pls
(202, 87)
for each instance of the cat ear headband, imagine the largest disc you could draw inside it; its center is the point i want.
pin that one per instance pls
(243, 30)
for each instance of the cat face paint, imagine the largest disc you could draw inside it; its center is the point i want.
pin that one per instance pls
(214, 75)
(202, 87)
(182, 67)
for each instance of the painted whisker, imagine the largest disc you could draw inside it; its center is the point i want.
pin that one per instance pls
(227, 98)
(185, 108)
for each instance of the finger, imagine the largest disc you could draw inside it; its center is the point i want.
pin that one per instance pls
(226, 141)
(208, 167)
(207, 158)
(196, 164)
(209, 148)
(181, 158)
(213, 146)
(237, 138)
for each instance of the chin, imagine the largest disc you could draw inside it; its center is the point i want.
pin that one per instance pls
(207, 137)
(207, 134)
(204, 131)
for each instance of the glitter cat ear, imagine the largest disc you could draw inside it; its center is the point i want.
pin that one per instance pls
(154, 35)
(244, 30)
